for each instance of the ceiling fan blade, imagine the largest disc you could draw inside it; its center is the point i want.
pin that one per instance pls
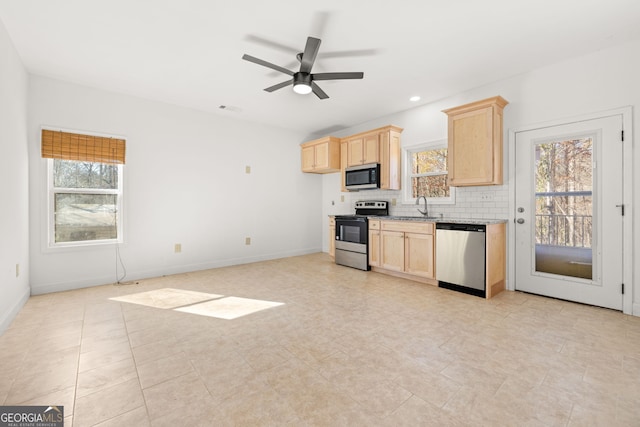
(309, 54)
(349, 53)
(266, 64)
(337, 76)
(319, 92)
(279, 86)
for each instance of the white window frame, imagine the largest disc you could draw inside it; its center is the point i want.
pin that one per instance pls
(51, 210)
(407, 197)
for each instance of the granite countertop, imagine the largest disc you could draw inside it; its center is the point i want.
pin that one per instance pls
(439, 219)
(436, 219)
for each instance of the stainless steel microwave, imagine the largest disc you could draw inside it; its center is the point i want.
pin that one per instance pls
(364, 177)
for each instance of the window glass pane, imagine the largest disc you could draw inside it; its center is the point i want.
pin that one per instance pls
(564, 207)
(80, 217)
(430, 186)
(429, 161)
(73, 174)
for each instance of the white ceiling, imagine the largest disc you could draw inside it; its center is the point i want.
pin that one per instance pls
(188, 52)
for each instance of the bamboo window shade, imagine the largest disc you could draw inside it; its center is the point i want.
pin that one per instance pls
(84, 148)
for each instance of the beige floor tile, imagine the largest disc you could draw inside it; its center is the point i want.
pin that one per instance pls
(156, 350)
(27, 388)
(347, 348)
(259, 407)
(433, 388)
(104, 341)
(65, 397)
(476, 374)
(160, 370)
(107, 403)
(417, 412)
(134, 418)
(179, 401)
(105, 376)
(150, 335)
(104, 328)
(266, 357)
(105, 355)
(35, 363)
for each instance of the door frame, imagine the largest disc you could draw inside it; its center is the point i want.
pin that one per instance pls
(627, 195)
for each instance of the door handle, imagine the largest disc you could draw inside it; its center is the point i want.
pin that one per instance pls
(520, 220)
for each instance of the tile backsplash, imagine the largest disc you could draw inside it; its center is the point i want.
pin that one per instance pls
(487, 202)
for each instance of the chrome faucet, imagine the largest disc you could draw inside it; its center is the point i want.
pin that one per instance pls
(426, 207)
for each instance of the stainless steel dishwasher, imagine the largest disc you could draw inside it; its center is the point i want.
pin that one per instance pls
(460, 257)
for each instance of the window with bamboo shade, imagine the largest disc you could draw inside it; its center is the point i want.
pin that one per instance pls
(85, 188)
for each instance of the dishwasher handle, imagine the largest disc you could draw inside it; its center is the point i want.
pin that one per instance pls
(479, 228)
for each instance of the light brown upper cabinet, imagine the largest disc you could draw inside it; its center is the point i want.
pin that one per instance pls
(475, 143)
(363, 149)
(321, 155)
(380, 145)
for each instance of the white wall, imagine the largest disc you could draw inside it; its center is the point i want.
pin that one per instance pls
(14, 175)
(185, 182)
(604, 80)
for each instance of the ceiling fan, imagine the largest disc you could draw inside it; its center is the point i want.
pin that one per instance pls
(303, 81)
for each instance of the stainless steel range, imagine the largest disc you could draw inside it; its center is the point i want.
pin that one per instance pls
(352, 233)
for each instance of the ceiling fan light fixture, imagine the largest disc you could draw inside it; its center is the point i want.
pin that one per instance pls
(302, 88)
(302, 83)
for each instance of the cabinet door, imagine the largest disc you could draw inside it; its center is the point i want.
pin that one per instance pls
(472, 143)
(418, 253)
(355, 148)
(392, 250)
(374, 248)
(322, 156)
(308, 158)
(371, 149)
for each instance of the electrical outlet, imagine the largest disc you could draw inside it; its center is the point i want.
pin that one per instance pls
(247, 169)
(17, 270)
(393, 202)
(177, 248)
(247, 241)
(342, 198)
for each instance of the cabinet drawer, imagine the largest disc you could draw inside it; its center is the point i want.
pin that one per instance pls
(374, 225)
(408, 226)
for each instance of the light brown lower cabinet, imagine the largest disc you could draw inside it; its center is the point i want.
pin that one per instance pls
(403, 248)
(407, 249)
(374, 243)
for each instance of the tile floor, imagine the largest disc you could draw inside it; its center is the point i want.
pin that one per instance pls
(347, 348)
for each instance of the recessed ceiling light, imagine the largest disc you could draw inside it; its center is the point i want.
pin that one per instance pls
(414, 98)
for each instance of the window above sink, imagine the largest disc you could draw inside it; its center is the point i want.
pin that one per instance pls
(425, 174)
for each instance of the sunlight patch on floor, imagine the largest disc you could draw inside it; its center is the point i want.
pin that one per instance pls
(201, 303)
(167, 298)
(229, 307)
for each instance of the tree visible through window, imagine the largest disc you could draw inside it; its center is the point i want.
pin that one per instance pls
(564, 198)
(85, 200)
(427, 172)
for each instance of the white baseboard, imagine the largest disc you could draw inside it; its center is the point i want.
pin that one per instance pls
(8, 317)
(145, 274)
